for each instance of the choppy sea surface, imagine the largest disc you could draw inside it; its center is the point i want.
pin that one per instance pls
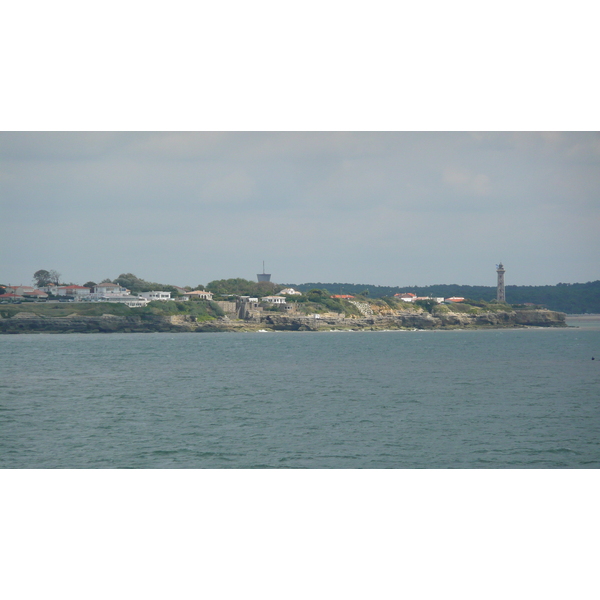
(514, 398)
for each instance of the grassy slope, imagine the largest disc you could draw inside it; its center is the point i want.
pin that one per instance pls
(201, 310)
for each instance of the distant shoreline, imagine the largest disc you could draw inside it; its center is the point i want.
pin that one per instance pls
(31, 323)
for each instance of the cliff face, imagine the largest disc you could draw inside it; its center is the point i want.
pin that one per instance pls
(28, 323)
(411, 320)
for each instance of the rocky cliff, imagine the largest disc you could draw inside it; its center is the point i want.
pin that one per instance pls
(29, 323)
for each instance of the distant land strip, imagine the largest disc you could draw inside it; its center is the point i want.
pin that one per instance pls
(572, 298)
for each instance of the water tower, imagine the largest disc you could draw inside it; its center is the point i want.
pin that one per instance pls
(263, 276)
(500, 295)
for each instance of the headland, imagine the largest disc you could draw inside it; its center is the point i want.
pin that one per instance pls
(30, 322)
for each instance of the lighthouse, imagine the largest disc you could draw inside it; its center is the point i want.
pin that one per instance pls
(500, 295)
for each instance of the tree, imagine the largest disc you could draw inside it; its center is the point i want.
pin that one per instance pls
(90, 284)
(55, 277)
(243, 287)
(41, 278)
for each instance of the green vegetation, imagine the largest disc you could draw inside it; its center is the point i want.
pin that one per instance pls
(137, 285)
(242, 287)
(427, 305)
(319, 301)
(63, 309)
(201, 310)
(42, 277)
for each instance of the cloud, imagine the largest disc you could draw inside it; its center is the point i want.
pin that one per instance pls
(463, 181)
(373, 207)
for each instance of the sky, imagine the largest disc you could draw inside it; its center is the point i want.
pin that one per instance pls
(387, 208)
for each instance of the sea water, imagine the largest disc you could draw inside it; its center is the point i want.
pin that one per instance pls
(507, 398)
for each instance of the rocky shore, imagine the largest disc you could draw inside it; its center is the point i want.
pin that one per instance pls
(29, 323)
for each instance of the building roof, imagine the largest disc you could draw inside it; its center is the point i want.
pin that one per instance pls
(341, 296)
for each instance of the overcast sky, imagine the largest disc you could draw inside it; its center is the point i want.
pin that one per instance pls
(378, 208)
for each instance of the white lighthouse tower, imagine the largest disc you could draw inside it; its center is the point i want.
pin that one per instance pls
(500, 294)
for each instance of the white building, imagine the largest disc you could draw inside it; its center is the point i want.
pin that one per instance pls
(106, 290)
(71, 290)
(406, 297)
(199, 295)
(111, 288)
(289, 292)
(156, 295)
(273, 299)
(131, 301)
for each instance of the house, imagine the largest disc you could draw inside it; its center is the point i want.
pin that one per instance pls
(102, 291)
(198, 295)
(19, 290)
(71, 290)
(110, 288)
(455, 299)
(25, 291)
(273, 299)
(131, 301)
(156, 295)
(36, 294)
(289, 292)
(342, 296)
(406, 297)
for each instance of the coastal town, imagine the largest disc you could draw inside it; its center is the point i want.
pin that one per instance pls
(244, 305)
(49, 289)
(113, 292)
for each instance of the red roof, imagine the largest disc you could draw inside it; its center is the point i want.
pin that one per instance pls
(342, 296)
